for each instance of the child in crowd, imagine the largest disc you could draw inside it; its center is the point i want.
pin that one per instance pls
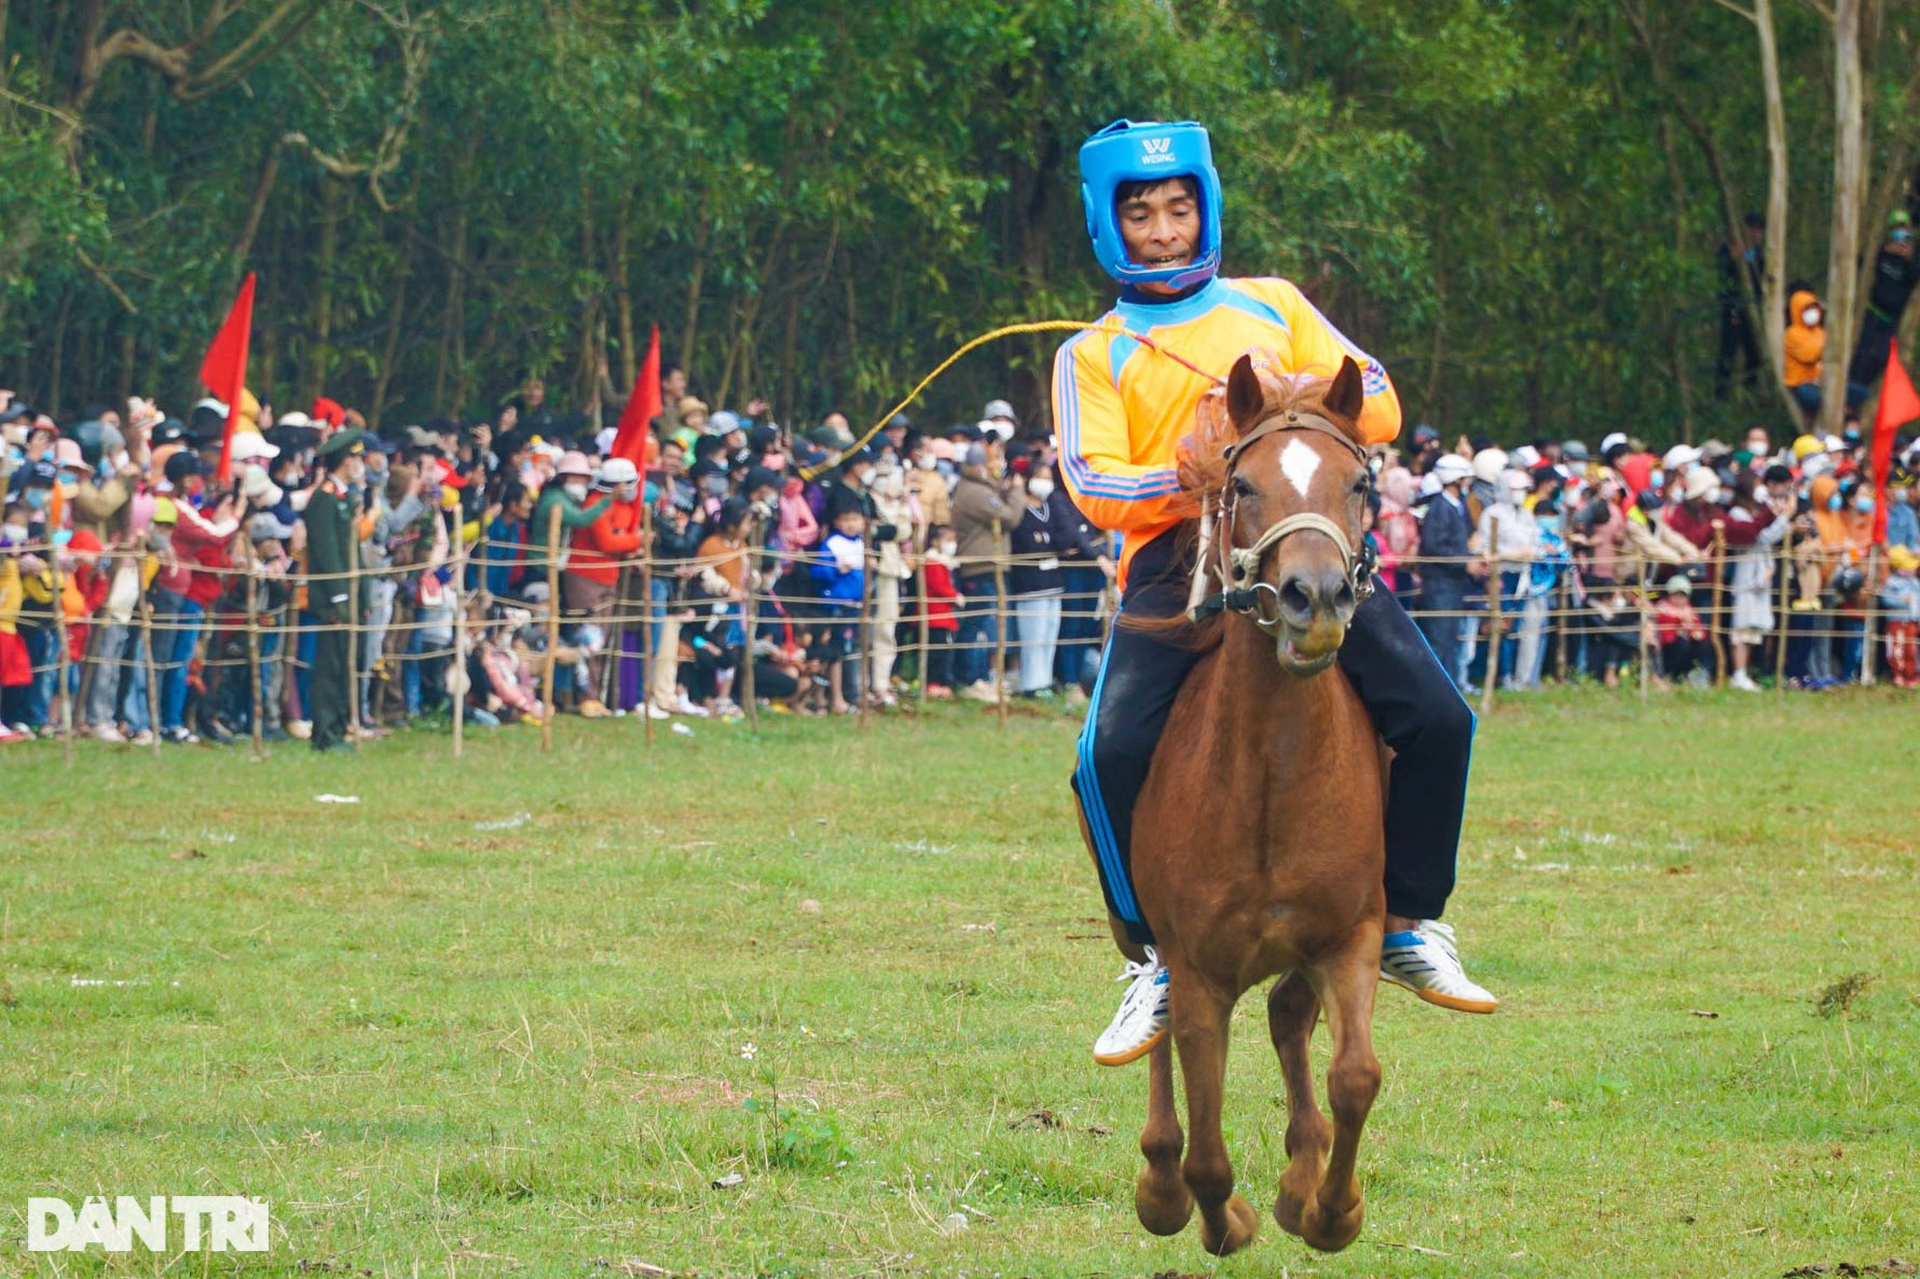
(841, 573)
(942, 625)
(1900, 596)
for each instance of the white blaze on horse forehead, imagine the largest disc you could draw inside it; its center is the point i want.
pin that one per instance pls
(1298, 462)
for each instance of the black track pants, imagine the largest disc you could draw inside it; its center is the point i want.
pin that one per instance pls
(1413, 703)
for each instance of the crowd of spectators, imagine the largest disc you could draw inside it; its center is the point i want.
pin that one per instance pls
(828, 573)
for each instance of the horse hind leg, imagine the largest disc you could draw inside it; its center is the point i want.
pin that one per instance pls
(1292, 1010)
(1200, 1018)
(1332, 1219)
(1160, 1196)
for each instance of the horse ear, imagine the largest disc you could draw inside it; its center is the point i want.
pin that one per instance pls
(1246, 396)
(1346, 396)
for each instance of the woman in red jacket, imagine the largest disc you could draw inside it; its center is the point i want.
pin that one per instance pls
(592, 578)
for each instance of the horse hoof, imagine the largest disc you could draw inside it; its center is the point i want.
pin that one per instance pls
(1242, 1223)
(1290, 1212)
(1329, 1232)
(1163, 1208)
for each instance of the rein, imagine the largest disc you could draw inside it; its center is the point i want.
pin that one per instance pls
(1243, 594)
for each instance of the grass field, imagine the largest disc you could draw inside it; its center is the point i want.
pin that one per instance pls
(518, 1015)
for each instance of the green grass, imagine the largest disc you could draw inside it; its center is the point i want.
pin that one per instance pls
(445, 1049)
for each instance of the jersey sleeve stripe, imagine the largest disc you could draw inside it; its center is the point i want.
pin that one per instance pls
(1066, 411)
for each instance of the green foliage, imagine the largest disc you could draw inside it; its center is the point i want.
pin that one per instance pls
(817, 201)
(799, 1135)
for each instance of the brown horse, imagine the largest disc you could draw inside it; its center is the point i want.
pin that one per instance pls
(1258, 844)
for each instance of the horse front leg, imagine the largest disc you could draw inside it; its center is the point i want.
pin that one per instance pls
(1292, 1011)
(1200, 1016)
(1160, 1197)
(1333, 1219)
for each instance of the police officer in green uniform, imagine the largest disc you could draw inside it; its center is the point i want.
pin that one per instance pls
(330, 557)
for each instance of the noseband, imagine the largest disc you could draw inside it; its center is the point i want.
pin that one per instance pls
(1244, 590)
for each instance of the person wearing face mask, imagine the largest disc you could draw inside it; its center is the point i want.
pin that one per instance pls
(572, 482)
(942, 626)
(330, 519)
(1036, 584)
(894, 509)
(1805, 345)
(1903, 526)
(593, 570)
(929, 485)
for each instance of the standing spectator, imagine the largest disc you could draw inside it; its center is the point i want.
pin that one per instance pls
(1509, 538)
(1740, 273)
(982, 518)
(1035, 583)
(1396, 530)
(592, 577)
(16, 663)
(841, 573)
(1444, 534)
(201, 546)
(330, 561)
(1086, 564)
(1903, 526)
(894, 513)
(1806, 344)
(1900, 597)
(942, 626)
(1895, 272)
(1752, 580)
(929, 486)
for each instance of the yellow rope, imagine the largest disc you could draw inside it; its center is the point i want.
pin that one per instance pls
(1005, 330)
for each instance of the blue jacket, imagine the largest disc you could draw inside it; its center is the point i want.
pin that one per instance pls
(1444, 532)
(840, 590)
(1903, 526)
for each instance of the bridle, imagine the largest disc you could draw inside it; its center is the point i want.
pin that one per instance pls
(1243, 591)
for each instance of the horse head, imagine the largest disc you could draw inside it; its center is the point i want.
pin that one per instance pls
(1292, 507)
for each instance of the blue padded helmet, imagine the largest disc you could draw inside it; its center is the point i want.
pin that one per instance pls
(1148, 151)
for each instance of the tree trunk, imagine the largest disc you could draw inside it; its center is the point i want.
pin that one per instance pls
(390, 351)
(1771, 323)
(1849, 195)
(623, 293)
(690, 328)
(319, 361)
(1676, 345)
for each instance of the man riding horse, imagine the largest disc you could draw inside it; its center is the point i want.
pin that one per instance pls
(1152, 201)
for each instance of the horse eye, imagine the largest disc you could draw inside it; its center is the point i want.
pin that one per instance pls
(1241, 488)
(1360, 487)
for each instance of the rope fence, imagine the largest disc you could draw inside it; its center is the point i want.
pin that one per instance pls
(775, 638)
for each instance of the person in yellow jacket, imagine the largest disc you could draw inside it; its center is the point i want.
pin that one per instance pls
(1152, 202)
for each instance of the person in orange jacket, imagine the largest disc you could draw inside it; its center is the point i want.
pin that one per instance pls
(592, 577)
(1806, 347)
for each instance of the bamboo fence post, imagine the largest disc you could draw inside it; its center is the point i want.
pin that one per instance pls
(62, 660)
(459, 583)
(353, 631)
(1784, 567)
(153, 673)
(1562, 617)
(1647, 642)
(926, 642)
(1495, 588)
(608, 692)
(1001, 618)
(553, 625)
(1717, 566)
(1868, 621)
(869, 565)
(257, 733)
(750, 614)
(646, 625)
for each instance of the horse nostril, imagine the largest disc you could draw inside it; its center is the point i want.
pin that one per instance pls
(1295, 603)
(1344, 600)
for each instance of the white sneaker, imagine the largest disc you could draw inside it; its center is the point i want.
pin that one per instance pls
(108, 733)
(683, 706)
(1426, 962)
(142, 738)
(1742, 681)
(1142, 1020)
(658, 712)
(300, 730)
(982, 691)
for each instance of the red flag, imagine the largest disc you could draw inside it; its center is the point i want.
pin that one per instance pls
(224, 371)
(1899, 405)
(630, 438)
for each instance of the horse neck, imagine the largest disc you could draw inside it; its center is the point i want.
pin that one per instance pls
(1252, 694)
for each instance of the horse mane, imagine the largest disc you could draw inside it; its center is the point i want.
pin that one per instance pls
(1203, 469)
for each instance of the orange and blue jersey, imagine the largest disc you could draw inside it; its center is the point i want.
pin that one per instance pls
(1120, 410)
